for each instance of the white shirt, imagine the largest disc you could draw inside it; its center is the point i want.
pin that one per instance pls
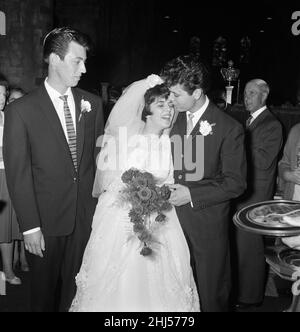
(59, 107)
(199, 113)
(197, 116)
(257, 113)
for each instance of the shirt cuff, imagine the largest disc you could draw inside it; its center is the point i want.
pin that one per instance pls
(192, 205)
(31, 231)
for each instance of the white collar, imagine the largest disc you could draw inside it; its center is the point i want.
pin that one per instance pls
(200, 112)
(258, 112)
(54, 94)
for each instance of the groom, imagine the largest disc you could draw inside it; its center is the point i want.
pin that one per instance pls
(49, 154)
(202, 203)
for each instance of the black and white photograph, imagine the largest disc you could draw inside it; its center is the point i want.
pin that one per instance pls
(149, 158)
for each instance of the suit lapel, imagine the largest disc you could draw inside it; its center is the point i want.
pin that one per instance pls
(79, 124)
(181, 123)
(256, 121)
(48, 108)
(206, 116)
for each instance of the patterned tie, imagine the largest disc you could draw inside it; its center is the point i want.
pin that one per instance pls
(248, 122)
(70, 131)
(190, 124)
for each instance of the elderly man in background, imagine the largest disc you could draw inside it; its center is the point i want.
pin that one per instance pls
(263, 143)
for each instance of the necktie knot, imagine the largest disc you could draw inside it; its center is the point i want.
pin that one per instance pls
(64, 98)
(249, 120)
(191, 116)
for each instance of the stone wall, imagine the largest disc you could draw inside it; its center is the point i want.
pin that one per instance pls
(128, 41)
(27, 22)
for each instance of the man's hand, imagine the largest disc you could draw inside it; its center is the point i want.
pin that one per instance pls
(35, 243)
(292, 242)
(180, 195)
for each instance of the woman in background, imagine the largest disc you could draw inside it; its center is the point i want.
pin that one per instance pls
(289, 166)
(19, 248)
(8, 222)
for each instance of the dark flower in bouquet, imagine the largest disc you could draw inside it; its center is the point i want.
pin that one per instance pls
(146, 198)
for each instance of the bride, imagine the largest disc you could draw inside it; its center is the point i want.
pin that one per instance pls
(114, 276)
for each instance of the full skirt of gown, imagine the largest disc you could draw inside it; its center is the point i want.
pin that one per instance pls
(114, 277)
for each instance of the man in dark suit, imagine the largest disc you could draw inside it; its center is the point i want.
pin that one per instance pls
(202, 193)
(263, 144)
(49, 153)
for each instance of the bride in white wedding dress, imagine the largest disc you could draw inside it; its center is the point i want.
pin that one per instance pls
(114, 276)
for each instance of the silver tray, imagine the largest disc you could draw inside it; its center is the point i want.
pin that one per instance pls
(243, 221)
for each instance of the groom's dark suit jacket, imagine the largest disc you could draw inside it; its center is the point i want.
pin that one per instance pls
(206, 223)
(45, 189)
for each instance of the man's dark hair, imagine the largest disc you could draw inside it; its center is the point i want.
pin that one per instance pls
(159, 91)
(58, 40)
(189, 71)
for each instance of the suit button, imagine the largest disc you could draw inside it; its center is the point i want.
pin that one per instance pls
(75, 179)
(180, 177)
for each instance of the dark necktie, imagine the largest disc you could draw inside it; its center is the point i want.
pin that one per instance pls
(70, 131)
(248, 122)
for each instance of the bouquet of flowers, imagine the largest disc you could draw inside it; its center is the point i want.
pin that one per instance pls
(145, 198)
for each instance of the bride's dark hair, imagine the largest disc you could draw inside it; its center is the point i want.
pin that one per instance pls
(159, 91)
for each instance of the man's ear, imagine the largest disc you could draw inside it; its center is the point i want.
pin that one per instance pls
(197, 94)
(264, 98)
(53, 59)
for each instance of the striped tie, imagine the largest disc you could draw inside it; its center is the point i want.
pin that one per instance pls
(70, 130)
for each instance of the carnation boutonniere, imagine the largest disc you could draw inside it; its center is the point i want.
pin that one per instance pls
(206, 128)
(85, 107)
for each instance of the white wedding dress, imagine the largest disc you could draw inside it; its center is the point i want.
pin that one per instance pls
(114, 277)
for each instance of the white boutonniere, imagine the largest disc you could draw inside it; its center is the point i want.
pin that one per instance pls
(206, 128)
(85, 107)
(153, 80)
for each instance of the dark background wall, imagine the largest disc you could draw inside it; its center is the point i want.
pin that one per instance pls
(21, 49)
(133, 38)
